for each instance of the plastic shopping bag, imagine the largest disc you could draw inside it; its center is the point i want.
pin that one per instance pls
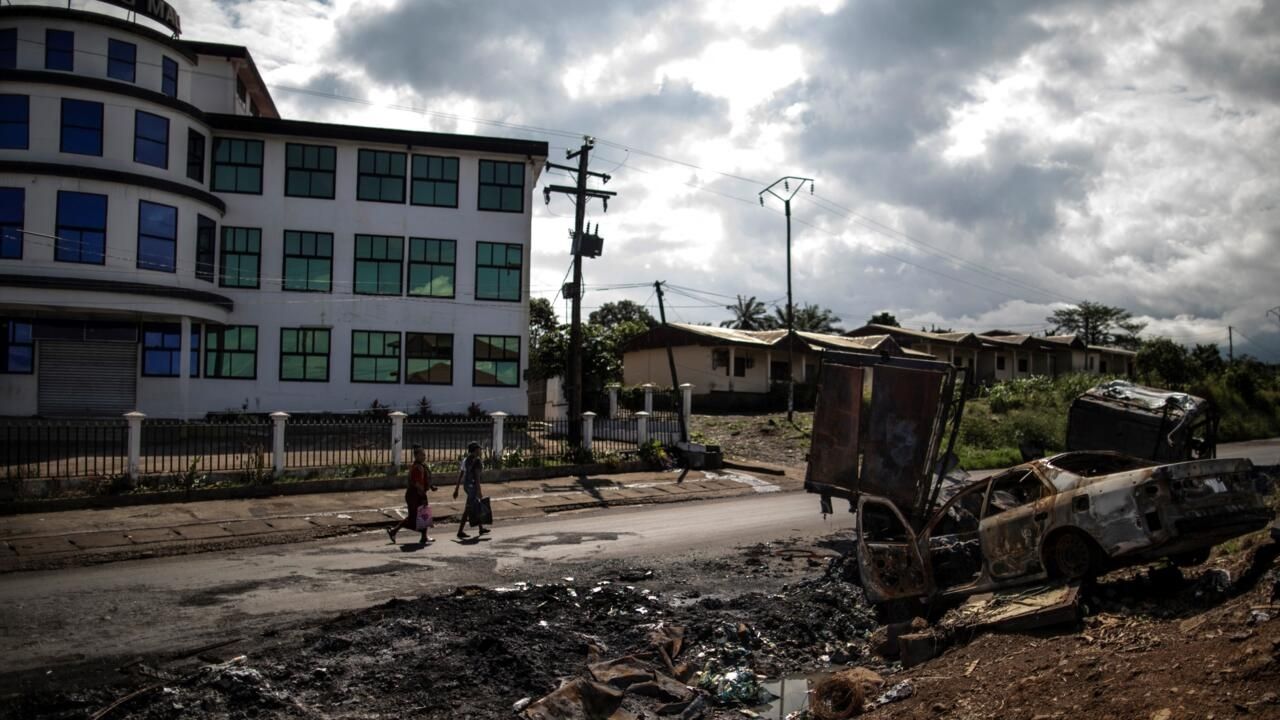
(425, 519)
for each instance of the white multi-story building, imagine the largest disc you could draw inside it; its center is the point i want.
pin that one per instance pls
(169, 244)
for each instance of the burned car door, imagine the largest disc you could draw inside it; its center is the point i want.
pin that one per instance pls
(889, 558)
(835, 452)
(1014, 519)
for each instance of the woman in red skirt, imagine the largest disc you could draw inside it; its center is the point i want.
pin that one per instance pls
(415, 495)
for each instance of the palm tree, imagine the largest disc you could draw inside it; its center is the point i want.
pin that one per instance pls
(748, 314)
(809, 318)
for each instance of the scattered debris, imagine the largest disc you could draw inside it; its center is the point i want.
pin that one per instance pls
(843, 694)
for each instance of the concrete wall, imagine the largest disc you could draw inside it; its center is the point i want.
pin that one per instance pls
(693, 364)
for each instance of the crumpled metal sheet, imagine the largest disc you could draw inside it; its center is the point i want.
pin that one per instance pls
(1145, 397)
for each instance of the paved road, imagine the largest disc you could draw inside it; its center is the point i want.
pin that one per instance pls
(145, 606)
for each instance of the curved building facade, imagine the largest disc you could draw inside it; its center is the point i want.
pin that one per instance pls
(169, 244)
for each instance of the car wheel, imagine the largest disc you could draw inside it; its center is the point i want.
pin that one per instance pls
(1190, 559)
(1072, 557)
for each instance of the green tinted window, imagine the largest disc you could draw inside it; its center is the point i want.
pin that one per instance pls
(231, 351)
(499, 269)
(431, 267)
(380, 176)
(304, 354)
(496, 360)
(309, 170)
(501, 186)
(434, 181)
(241, 257)
(428, 358)
(237, 165)
(308, 261)
(375, 356)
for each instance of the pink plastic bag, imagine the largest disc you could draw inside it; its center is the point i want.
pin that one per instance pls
(424, 520)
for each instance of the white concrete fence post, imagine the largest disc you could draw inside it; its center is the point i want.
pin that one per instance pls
(642, 428)
(397, 439)
(135, 419)
(648, 397)
(498, 419)
(686, 400)
(588, 429)
(279, 418)
(613, 399)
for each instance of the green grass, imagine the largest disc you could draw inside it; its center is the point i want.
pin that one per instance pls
(988, 458)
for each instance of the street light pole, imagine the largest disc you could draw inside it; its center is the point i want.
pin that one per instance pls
(791, 308)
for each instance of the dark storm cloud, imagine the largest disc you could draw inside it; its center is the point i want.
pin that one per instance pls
(1242, 57)
(318, 92)
(890, 75)
(485, 49)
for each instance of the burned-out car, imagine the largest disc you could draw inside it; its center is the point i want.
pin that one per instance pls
(1145, 422)
(926, 531)
(1067, 516)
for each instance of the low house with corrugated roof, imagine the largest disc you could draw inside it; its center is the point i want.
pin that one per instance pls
(739, 369)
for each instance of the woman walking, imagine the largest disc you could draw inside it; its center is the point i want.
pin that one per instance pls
(415, 495)
(469, 479)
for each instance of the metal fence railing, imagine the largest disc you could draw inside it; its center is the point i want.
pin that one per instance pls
(345, 445)
(220, 445)
(63, 448)
(320, 441)
(445, 438)
(536, 439)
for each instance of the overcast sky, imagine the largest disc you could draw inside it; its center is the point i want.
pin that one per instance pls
(978, 163)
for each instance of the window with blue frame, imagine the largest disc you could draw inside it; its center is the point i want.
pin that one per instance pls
(59, 50)
(8, 48)
(150, 139)
(12, 213)
(162, 350)
(157, 236)
(122, 60)
(81, 127)
(82, 228)
(17, 348)
(14, 116)
(169, 76)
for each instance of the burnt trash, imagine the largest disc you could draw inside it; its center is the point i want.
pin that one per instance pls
(577, 699)
(843, 694)
(900, 691)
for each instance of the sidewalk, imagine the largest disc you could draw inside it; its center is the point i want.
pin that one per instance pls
(79, 537)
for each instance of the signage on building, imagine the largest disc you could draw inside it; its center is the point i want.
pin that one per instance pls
(158, 10)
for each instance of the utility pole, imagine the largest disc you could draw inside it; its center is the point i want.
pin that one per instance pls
(791, 308)
(671, 360)
(1231, 344)
(1275, 312)
(581, 193)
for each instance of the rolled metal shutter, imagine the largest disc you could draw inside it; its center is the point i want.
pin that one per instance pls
(87, 379)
